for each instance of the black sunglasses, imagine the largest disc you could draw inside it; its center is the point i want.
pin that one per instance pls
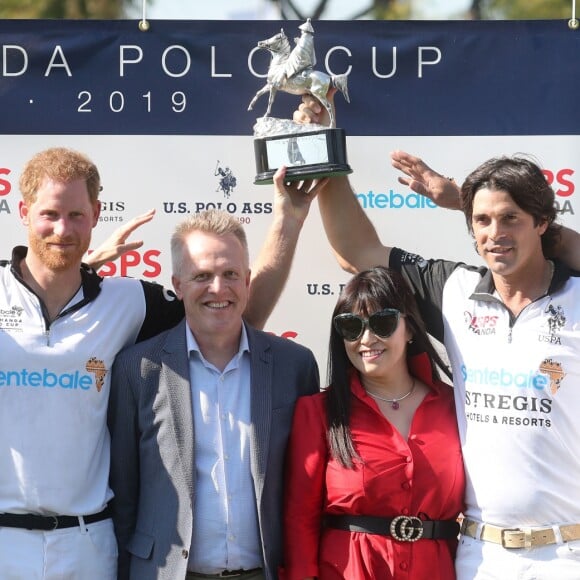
(351, 326)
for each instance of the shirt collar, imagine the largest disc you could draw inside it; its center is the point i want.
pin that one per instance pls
(193, 347)
(486, 287)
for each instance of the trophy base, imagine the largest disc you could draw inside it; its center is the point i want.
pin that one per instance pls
(307, 155)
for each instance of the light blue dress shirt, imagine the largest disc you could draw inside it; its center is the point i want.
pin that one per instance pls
(225, 521)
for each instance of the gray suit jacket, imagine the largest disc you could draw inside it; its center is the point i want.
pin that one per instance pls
(152, 448)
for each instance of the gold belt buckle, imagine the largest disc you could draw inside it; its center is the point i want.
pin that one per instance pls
(505, 531)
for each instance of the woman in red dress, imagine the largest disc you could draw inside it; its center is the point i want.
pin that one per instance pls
(375, 476)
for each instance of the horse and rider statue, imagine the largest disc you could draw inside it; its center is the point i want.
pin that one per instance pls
(292, 71)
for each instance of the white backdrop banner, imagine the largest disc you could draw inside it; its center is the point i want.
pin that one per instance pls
(163, 114)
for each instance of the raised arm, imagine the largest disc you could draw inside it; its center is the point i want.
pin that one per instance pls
(271, 269)
(351, 234)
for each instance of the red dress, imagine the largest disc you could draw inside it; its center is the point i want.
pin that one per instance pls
(419, 476)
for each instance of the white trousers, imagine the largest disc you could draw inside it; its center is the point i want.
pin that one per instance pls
(87, 552)
(479, 560)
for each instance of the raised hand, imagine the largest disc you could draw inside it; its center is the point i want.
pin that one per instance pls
(423, 180)
(116, 244)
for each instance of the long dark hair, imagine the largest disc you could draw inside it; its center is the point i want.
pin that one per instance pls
(524, 181)
(366, 293)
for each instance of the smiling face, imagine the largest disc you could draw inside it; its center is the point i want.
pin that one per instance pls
(507, 238)
(213, 282)
(60, 222)
(380, 358)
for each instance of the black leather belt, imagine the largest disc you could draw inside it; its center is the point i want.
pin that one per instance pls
(48, 523)
(401, 528)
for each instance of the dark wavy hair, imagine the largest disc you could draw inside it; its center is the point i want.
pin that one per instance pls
(526, 184)
(366, 293)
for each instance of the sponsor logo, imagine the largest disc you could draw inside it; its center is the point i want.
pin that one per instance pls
(50, 380)
(5, 189)
(500, 377)
(11, 319)
(555, 322)
(555, 373)
(563, 185)
(112, 211)
(524, 409)
(97, 368)
(482, 407)
(45, 378)
(394, 200)
(246, 208)
(227, 180)
(482, 325)
(561, 181)
(138, 263)
(5, 185)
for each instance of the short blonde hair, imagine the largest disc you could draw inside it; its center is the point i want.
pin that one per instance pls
(61, 165)
(212, 221)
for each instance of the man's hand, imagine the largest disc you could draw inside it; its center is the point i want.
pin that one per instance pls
(116, 244)
(425, 181)
(311, 110)
(292, 199)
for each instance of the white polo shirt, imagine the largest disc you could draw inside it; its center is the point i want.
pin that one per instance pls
(54, 387)
(515, 382)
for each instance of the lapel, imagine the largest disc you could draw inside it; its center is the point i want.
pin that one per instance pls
(261, 369)
(174, 378)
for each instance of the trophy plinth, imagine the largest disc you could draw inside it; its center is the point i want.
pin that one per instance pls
(310, 152)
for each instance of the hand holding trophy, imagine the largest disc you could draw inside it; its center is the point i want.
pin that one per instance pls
(308, 151)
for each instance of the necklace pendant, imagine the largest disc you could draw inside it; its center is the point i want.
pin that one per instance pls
(395, 405)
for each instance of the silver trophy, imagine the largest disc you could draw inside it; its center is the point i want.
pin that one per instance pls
(308, 151)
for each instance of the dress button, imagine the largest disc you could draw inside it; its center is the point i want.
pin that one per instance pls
(405, 511)
(403, 565)
(406, 485)
(185, 553)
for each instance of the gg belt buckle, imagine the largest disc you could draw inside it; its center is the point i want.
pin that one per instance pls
(406, 528)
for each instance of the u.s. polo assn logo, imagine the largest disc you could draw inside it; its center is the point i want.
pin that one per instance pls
(555, 321)
(226, 180)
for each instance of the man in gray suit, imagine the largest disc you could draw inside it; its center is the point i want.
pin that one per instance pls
(199, 418)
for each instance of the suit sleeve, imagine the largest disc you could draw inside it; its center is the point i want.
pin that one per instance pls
(312, 384)
(307, 456)
(124, 474)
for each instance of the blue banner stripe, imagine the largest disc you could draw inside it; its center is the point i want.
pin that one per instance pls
(195, 77)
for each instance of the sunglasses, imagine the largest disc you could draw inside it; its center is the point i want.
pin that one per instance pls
(383, 323)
